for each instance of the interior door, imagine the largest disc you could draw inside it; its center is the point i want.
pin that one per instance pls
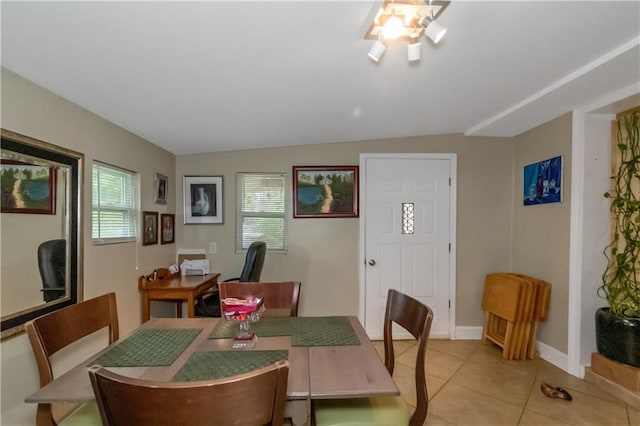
(407, 235)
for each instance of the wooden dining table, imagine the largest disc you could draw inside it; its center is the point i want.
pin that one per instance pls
(315, 371)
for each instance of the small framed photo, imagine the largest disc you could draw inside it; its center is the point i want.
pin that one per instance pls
(161, 188)
(28, 188)
(150, 228)
(325, 191)
(543, 182)
(167, 226)
(203, 199)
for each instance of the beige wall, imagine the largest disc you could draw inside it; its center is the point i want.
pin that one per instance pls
(323, 253)
(32, 111)
(541, 232)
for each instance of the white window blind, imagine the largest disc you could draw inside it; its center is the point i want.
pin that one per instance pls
(261, 210)
(114, 217)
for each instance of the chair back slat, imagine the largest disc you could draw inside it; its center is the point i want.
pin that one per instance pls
(416, 318)
(58, 329)
(277, 295)
(255, 398)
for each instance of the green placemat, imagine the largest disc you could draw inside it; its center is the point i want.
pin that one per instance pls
(323, 331)
(149, 347)
(219, 364)
(266, 327)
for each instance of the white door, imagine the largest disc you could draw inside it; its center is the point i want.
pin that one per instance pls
(408, 234)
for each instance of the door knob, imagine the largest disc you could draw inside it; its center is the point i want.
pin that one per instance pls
(372, 262)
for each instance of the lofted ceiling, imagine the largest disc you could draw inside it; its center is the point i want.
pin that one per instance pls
(212, 76)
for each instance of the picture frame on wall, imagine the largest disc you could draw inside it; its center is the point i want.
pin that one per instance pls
(543, 182)
(203, 200)
(27, 188)
(161, 188)
(149, 228)
(325, 191)
(167, 228)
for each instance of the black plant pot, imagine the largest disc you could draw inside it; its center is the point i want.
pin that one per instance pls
(618, 338)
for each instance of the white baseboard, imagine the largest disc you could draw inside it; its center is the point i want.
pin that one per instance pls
(553, 356)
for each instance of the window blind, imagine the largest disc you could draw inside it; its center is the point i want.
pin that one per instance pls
(114, 216)
(261, 212)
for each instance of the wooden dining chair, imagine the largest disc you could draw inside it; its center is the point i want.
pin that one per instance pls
(249, 399)
(280, 296)
(59, 329)
(416, 318)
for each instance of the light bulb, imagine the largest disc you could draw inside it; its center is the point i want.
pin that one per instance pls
(393, 28)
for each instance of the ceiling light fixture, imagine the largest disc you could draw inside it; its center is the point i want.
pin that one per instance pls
(406, 20)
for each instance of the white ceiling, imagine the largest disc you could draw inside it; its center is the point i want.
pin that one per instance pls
(216, 76)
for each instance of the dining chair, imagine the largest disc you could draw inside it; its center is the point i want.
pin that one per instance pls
(52, 258)
(56, 330)
(208, 303)
(278, 296)
(416, 318)
(249, 399)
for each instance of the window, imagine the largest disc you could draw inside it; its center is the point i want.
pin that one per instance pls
(114, 214)
(261, 212)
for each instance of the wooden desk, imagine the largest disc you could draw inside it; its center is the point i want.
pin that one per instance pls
(176, 287)
(341, 371)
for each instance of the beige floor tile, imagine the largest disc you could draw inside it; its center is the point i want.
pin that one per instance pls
(399, 347)
(458, 348)
(436, 421)
(531, 418)
(556, 377)
(634, 416)
(438, 364)
(434, 385)
(584, 409)
(470, 383)
(510, 385)
(462, 406)
(404, 377)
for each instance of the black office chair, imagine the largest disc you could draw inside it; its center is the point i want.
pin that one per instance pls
(52, 256)
(208, 304)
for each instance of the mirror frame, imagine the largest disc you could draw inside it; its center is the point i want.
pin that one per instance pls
(13, 323)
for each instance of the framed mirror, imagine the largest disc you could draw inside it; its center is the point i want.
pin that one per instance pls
(41, 227)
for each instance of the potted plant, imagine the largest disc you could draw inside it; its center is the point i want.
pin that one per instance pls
(618, 326)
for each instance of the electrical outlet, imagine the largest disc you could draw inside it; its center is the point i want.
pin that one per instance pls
(213, 248)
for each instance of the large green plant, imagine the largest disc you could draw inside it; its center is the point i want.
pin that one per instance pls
(621, 278)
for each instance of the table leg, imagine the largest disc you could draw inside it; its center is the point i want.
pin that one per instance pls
(179, 308)
(145, 307)
(298, 411)
(191, 308)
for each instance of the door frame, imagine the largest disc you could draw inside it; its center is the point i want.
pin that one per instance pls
(453, 158)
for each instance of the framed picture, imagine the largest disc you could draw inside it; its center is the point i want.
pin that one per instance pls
(161, 188)
(543, 182)
(325, 191)
(28, 188)
(203, 199)
(168, 228)
(150, 228)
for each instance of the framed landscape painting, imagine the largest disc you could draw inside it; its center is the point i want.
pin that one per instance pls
(28, 188)
(325, 191)
(543, 182)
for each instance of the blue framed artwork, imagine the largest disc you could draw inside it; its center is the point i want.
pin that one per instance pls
(543, 182)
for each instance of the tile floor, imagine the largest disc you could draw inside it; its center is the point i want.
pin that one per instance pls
(470, 384)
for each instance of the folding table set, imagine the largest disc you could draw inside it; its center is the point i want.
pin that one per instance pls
(513, 306)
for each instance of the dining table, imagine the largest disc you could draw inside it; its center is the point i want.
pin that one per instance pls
(329, 357)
